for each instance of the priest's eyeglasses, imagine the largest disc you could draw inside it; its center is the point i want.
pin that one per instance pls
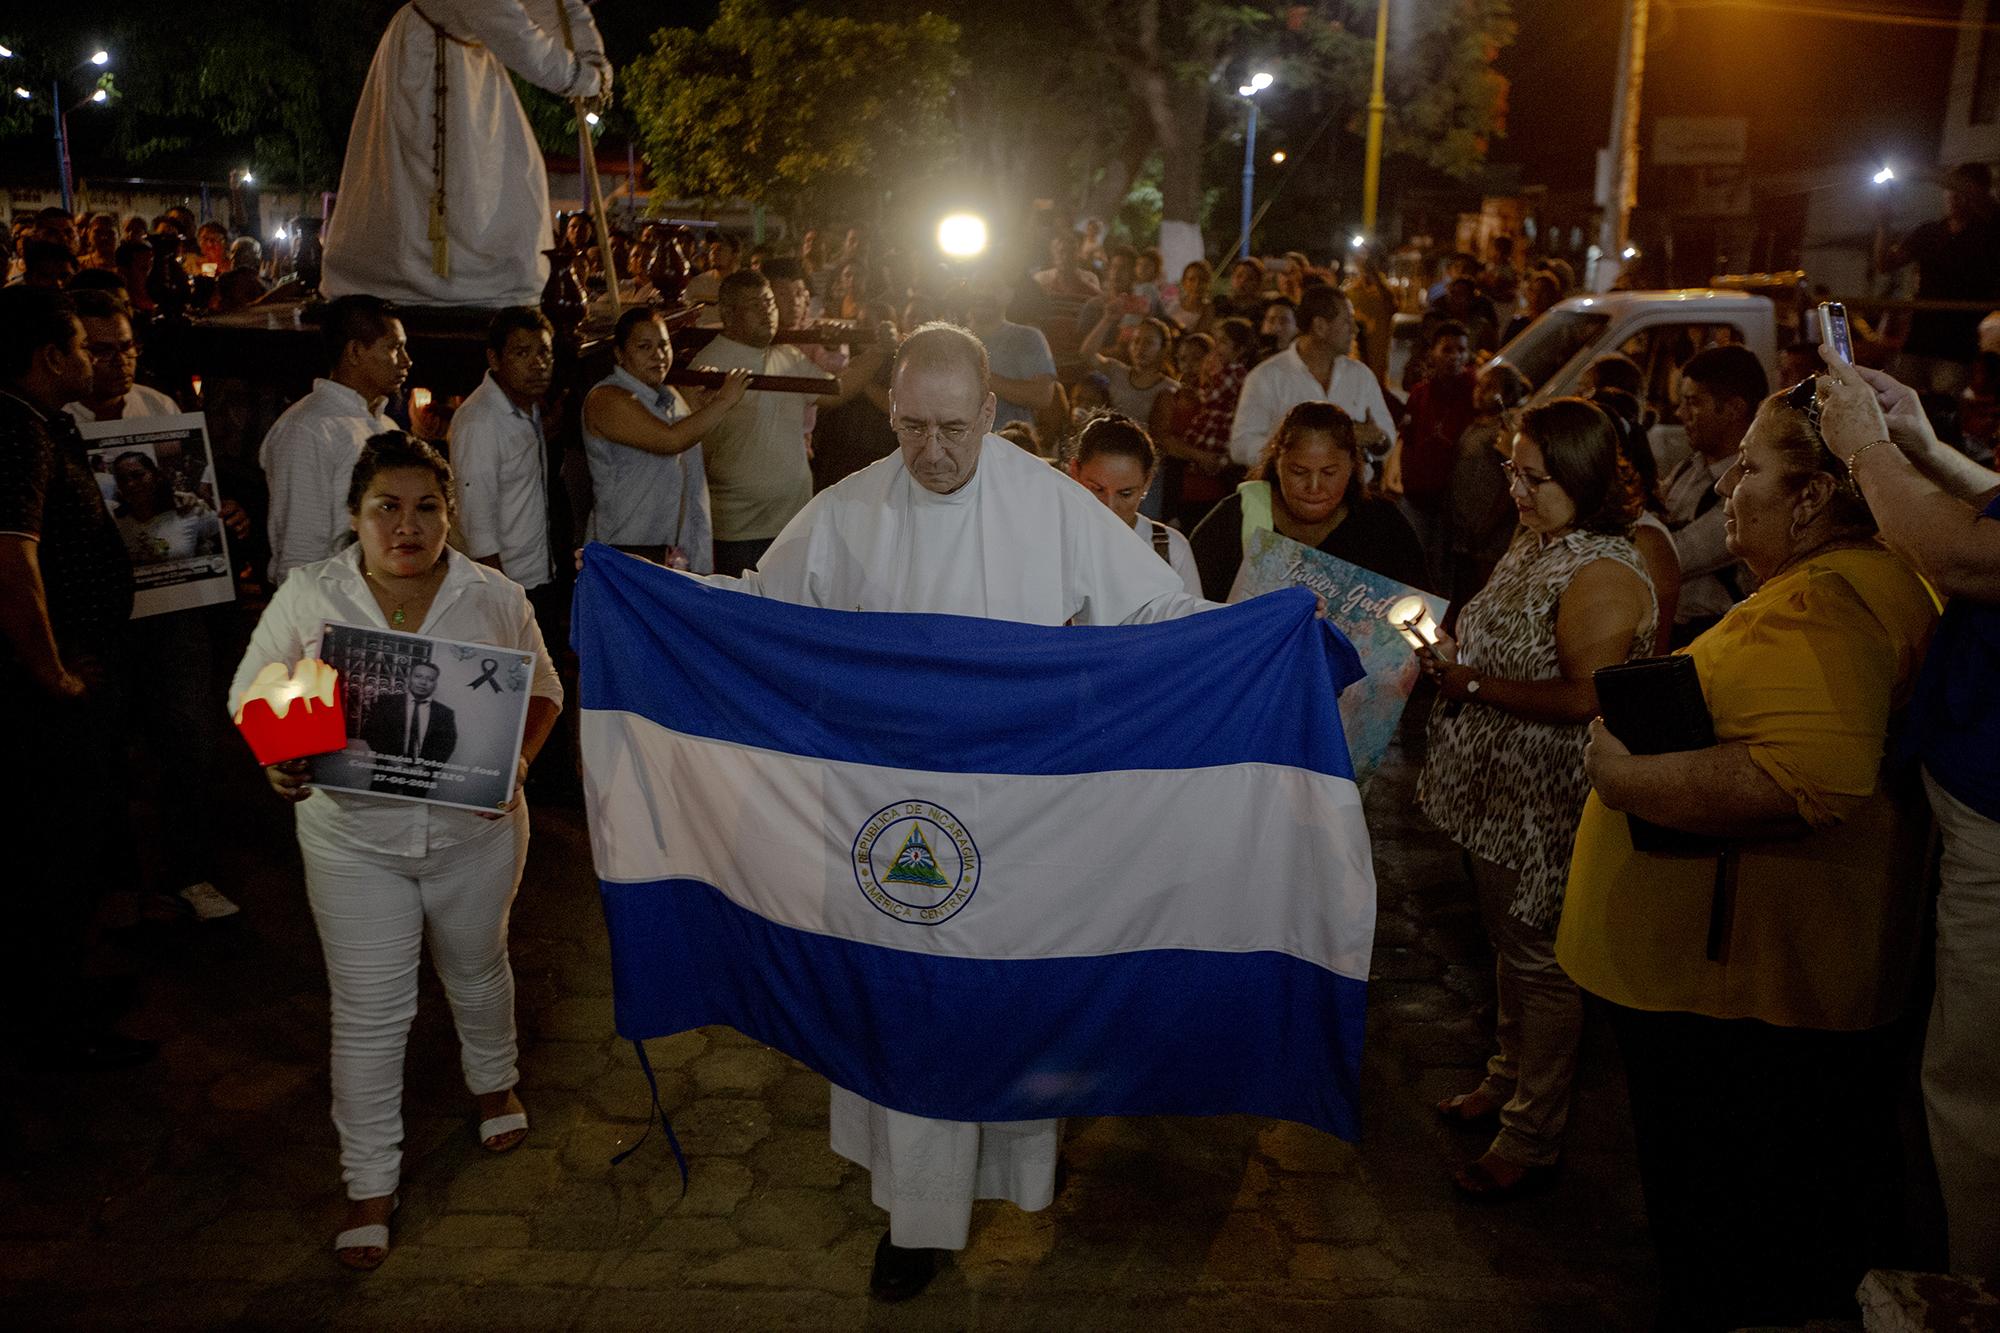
(920, 432)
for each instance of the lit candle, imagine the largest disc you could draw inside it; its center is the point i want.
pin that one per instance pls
(420, 399)
(1412, 619)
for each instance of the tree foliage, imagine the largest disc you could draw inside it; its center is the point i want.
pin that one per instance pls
(1184, 59)
(272, 84)
(789, 109)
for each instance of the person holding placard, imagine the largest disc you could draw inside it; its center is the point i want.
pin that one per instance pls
(381, 873)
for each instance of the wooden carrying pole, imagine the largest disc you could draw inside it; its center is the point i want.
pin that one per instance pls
(816, 385)
(586, 162)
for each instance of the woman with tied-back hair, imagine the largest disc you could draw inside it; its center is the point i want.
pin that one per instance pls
(1309, 486)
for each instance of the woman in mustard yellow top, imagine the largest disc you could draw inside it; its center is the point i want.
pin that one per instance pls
(1763, 1079)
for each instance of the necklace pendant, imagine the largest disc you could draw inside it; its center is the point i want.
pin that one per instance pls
(397, 617)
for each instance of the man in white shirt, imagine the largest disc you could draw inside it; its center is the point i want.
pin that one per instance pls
(758, 472)
(499, 457)
(1721, 390)
(114, 356)
(308, 454)
(176, 647)
(1314, 369)
(961, 522)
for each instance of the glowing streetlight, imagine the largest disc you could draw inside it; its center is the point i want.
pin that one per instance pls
(590, 118)
(100, 97)
(1630, 253)
(100, 58)
(6, 53)
(962, 236)
(23, 93)
(1357, 241)
(1278, 158)
(248, 179)
(1248, 92)
(1885, 175)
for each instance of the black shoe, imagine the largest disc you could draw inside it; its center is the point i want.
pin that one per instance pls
(92, 1053)
(899, 1273)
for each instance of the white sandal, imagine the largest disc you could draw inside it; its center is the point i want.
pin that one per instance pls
(374, 1236)
(503, 1124)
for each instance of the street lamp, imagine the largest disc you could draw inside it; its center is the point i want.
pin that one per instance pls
(1248, 92)
(1278, 158)
(60, 113)
(1885, 175)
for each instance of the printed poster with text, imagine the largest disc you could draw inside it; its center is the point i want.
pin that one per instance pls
(1357, 600)
(158, 480)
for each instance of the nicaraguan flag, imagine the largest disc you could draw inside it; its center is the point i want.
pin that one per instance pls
(978, 870)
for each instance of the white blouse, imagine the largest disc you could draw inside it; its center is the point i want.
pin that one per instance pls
(475, 604)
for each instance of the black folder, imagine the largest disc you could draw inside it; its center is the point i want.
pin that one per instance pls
(1654, 705)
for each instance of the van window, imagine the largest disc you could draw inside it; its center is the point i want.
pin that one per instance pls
(1662, 349)
(1546, 346)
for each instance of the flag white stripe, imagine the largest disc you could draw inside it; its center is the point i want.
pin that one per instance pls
(1235, 858)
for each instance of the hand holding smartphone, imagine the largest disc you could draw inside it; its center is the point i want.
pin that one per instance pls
(1833, 330)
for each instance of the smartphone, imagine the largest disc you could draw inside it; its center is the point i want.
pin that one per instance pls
(1833, 330)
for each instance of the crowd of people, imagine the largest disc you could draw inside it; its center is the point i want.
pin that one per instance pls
(1829, 565)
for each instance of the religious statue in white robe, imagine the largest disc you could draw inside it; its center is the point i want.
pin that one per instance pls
(1019, 541)
(444, 199)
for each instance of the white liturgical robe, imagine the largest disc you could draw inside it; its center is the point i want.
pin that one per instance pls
(496, 190)
(1023, 542)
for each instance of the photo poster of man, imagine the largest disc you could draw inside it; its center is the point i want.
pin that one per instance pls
(1358, 601)
(158, 479)
(427, 719)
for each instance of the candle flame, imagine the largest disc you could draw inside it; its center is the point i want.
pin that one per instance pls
(313, 680)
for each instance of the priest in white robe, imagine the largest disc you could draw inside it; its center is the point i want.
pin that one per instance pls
(459, 217)
(960, 522)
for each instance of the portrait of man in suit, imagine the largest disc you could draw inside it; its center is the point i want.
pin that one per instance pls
(413, 725)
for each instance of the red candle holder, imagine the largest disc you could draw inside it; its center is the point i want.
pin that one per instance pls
(293, 717)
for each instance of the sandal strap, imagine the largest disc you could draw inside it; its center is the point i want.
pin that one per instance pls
(502, 1124)
(372, 1237)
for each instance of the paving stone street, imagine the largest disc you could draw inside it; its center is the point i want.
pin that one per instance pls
(202, 1191)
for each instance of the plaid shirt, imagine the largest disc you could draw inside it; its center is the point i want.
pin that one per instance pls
(1215, 409)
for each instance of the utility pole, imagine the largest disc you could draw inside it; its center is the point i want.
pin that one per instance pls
(1618, 187)
(1378, 107)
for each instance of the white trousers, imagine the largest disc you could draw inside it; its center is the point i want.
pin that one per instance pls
(373, 911)
(926, 1173)
(1962, 1044)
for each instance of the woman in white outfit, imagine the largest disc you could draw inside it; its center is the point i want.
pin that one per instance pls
(381, 873)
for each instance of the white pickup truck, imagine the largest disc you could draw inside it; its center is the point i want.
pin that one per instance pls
(1659, 330)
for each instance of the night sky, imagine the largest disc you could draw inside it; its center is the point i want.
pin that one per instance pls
(1817, 91)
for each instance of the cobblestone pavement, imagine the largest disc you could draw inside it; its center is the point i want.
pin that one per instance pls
(202, 1192)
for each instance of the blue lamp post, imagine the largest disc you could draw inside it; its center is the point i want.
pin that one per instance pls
(1248, 92)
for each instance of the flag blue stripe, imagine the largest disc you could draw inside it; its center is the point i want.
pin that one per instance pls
(956, 694)
(1162, 1032)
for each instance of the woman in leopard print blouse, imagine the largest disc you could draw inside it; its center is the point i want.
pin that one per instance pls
(1504, 771)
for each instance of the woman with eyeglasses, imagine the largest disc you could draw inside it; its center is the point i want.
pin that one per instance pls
(1503, 775)
(1755, 993)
